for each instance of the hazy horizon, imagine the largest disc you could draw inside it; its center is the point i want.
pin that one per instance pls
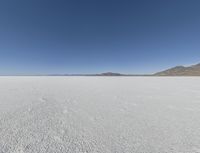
(87, 37)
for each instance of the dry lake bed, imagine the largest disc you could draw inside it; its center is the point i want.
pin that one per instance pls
(99, 114)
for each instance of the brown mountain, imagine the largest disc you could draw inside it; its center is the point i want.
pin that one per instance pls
(193, 70)
(111, 74)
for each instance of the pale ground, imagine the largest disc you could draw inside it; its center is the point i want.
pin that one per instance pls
(99, 114)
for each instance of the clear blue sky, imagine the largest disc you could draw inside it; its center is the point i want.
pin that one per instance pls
(94, 36)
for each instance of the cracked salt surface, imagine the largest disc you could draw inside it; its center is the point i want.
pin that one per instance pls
(99, 115)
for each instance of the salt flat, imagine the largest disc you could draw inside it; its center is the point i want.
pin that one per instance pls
(99, 114)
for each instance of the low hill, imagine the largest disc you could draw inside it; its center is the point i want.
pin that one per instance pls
(111, 74)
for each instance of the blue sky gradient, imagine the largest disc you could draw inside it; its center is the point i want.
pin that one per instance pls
(94, 36)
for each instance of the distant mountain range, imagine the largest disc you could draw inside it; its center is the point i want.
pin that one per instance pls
(110, 74)
(193, 70)
(101, 74)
